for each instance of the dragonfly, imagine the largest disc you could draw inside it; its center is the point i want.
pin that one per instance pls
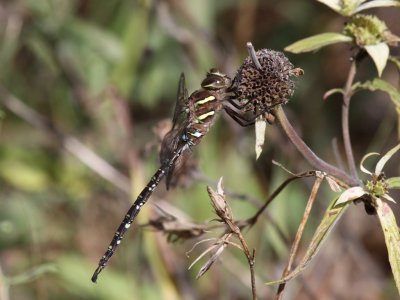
(193, 117)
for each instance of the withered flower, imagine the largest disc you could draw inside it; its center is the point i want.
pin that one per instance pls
(259, 90)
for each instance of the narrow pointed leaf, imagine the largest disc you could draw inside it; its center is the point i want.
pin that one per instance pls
(392, 238)
(379, 54)
(333, 184)
(318, 41)
(362, 168)
(398, 122)
(332, 215)
(396, 61)
(377, 3)
(260, 126)
(389, 198)
(394, 182)
(381, 163)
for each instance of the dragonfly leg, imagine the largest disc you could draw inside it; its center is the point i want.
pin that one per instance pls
(241, 120)
(238, 105)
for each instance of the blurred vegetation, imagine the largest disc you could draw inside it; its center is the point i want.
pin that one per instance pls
(106, 74)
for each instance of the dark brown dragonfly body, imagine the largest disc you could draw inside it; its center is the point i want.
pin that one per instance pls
(192, 120)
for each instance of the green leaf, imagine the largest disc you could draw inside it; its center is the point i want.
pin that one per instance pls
(393, 182)
(382, 162)
(377, 3)
(398, 122)
(396, 61)
(379, 85)
(379, 54)
(330, 218)
(318, 41)
(392, 238)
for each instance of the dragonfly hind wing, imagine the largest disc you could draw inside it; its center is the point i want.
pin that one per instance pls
(181, 101)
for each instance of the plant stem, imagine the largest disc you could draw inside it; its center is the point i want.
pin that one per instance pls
(347, 93)
(308, 154)
(299, 234)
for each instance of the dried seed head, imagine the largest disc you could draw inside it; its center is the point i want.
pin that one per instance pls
(264, 89)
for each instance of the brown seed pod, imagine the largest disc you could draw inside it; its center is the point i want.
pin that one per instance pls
(259, 90)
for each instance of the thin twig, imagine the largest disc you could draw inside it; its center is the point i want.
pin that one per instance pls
(345, 119)
(251, 221)
(250, 256)
(253, 55)
(299, 234)
(233, 266)
(223, 210)
(69, 143)
(308, 154)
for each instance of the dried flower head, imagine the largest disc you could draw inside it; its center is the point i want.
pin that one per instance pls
(259, 90)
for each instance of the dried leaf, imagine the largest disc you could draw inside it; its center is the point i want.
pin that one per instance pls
(330, 218)
(260, 126)
(220, 205)
(350, 195)
(379, 54)
(211, 261)
(392, 238)
(220, 187)
(333, 184)
(318, 41)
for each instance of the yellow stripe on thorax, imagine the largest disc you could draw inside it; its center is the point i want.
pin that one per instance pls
(206, 115)
(205, 100)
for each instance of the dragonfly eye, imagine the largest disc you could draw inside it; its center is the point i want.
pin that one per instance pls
(213, 81)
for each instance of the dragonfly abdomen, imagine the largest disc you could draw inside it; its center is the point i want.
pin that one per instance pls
(135, 209)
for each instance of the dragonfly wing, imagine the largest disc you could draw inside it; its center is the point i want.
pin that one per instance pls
(181, 101)
(171, 143)
(178, 170)
(173, 139)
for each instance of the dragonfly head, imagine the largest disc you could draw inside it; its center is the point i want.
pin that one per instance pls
(216, 80)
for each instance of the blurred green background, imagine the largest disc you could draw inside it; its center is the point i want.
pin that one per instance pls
(104, 74)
